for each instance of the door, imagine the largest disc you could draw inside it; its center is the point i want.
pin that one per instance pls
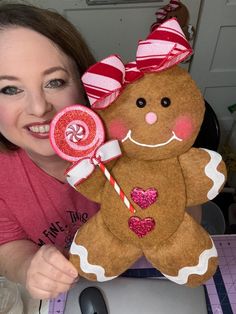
(213, 66)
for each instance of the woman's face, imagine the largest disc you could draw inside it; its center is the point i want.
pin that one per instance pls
(36, 80)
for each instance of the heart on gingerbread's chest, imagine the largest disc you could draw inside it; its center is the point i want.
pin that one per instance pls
(144, 198)
(141, 226)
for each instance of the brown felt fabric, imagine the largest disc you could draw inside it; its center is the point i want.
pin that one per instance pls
(93, 186)
(168, 210)
(104, 249)
(197, 183)
(183, 249)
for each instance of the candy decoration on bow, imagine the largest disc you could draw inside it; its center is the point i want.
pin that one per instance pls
(161, 13)
(162, 49)
(77, 135)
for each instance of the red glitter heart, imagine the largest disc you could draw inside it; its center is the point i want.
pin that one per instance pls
(141, 226)
(144, 198)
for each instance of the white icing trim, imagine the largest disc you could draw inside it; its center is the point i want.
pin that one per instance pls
(86, 267)
(173, 137)
(212, 173)
(199, 269)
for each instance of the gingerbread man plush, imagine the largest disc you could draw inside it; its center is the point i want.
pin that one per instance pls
(155, 110)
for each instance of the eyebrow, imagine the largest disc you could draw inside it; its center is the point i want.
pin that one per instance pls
(46, 72)
(54, 69)
(9, 77)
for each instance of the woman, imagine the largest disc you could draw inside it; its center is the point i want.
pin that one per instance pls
(42, 57)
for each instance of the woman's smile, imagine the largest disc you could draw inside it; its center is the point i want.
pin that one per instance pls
(39, 130)
(34, 86)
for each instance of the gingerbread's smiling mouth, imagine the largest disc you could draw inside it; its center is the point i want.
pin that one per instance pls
(129, 137)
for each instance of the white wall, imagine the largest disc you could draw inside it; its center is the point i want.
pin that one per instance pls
(112, 29)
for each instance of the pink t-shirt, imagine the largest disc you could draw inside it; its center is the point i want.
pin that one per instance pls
(36, 206)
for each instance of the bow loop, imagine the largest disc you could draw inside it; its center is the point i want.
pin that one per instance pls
(166, 46)
(103, 81)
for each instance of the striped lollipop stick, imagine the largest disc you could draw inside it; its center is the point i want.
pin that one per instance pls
(116, 187)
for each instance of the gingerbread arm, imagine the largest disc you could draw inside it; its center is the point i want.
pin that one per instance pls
(204, 173)
(92, 187)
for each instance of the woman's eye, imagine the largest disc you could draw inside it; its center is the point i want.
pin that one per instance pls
(141, 102)
(10, 90)
(55, 83)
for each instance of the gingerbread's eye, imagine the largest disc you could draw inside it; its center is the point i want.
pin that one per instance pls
(165, 102)
(140, 102)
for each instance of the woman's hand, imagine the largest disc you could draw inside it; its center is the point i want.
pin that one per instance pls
(49, 273)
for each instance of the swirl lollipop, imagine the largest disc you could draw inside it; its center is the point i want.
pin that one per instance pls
(77, 135)
(76, 132)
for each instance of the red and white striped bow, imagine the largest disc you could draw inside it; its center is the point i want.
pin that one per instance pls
(163, 48)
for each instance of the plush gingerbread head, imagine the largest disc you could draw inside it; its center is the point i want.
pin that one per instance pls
(154, 110)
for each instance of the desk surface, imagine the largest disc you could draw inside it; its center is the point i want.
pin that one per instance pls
(141, 295)
(221, 289)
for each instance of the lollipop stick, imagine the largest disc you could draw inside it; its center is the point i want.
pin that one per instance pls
(115, 185)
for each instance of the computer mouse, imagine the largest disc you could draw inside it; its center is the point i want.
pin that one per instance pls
(91, 301)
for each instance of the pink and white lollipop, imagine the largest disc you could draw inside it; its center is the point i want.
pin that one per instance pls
(77, 135)
(76, 132)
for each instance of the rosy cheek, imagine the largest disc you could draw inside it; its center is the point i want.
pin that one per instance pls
(117, 129)
(183, 127)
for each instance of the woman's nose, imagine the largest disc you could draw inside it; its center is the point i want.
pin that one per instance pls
(151, 117)
(38, 105)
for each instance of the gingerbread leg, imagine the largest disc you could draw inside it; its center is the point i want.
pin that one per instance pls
(98, 254)
(188, 257)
